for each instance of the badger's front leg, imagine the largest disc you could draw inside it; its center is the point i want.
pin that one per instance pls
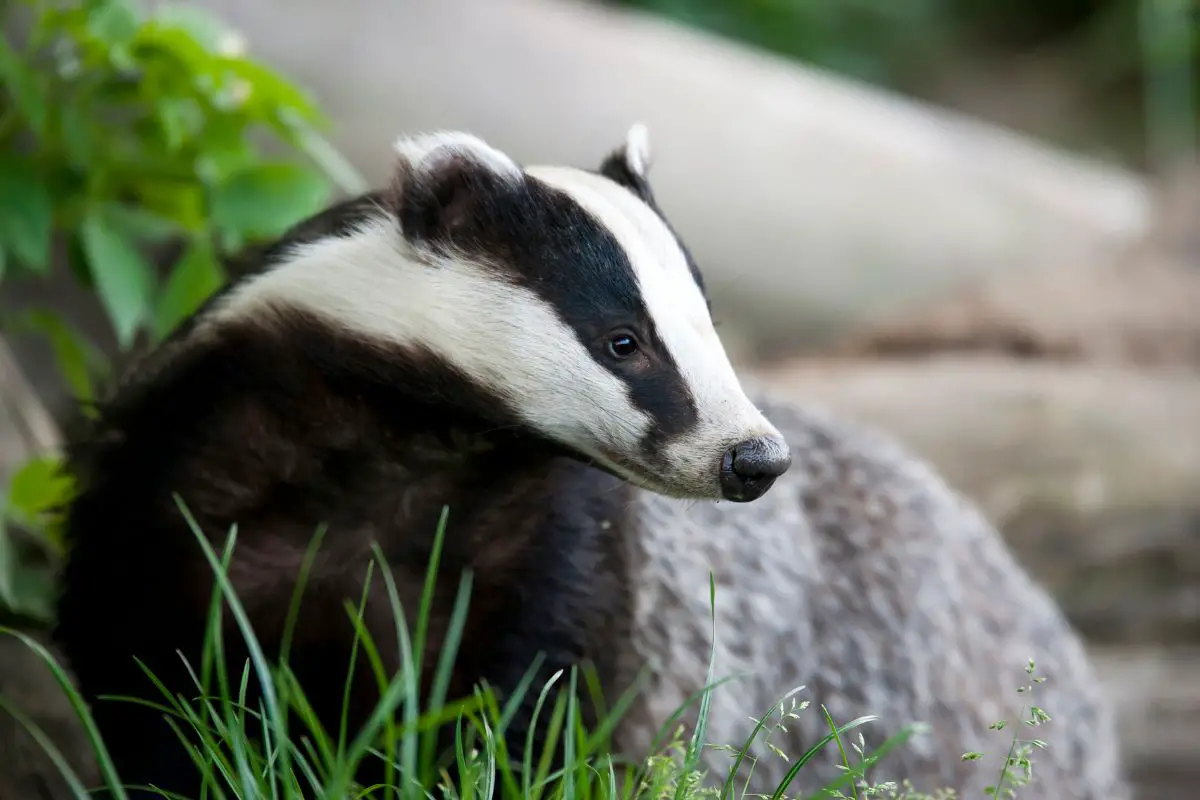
(569, 609)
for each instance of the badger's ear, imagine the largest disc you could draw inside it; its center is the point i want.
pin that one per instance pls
(629, 164)
(443, 181)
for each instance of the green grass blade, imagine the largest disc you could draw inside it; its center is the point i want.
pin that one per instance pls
(692, 759)
(52, 752)
(79, 706)
(754, 733)
(812, 752)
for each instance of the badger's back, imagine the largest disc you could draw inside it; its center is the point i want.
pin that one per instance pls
(863, 577)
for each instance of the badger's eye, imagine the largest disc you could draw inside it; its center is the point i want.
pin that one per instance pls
(622, 345)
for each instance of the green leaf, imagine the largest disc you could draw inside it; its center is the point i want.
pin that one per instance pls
(141, 223)
(124, 279)
(77, 260)
(8, 567)
(177, 50)
(75, 121)
(302, 135)
(32, 591)
(38, 487)
(205, 28)
(193, 280)
(227, 148)
(267, 199)
(270, 92)
(179, 119)
(26, 213)
(113, 22)
(25, 87)
(181, 205)
(26, 588)
(76, 358)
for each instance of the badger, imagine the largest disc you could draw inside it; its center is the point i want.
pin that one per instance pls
(532, 347)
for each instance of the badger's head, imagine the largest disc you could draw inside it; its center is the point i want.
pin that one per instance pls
(562, 294)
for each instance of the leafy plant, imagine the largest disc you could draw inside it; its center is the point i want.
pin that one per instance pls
(126, 134)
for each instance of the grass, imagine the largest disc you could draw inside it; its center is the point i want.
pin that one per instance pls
(257, 752)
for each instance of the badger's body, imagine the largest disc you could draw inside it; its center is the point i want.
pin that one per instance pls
(879, 589)
(533, 348)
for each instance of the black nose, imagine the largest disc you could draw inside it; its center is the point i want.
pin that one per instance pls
(750, 468)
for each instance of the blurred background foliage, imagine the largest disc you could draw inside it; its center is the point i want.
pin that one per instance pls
(1127, 68)
(137, 149)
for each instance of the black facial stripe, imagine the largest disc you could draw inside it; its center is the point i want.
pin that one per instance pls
(543, 240)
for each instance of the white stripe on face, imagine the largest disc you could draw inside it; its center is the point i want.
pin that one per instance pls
(679, 312)
(502, 336)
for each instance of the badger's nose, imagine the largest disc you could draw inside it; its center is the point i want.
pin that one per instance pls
(748, 469)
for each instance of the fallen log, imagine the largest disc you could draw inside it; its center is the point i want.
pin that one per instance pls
(1157, 696)
(1135, 307)
(1115, 313)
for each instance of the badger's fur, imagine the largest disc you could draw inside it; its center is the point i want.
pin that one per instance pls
(533, 347)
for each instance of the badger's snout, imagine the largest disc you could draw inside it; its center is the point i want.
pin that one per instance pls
(749, 468)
